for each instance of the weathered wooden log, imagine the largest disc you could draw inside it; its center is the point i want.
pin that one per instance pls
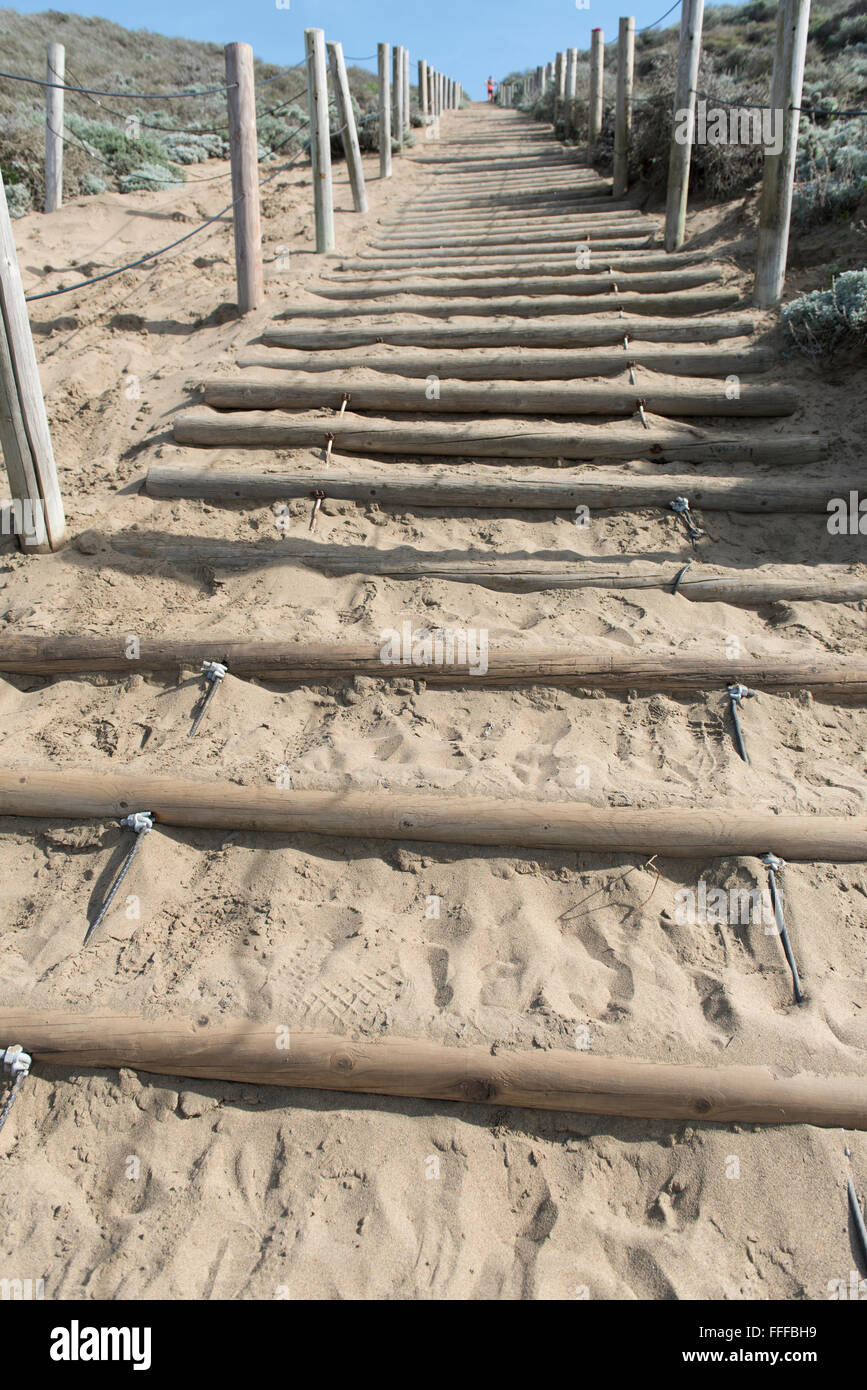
(496, 438)
(824, 673)
(257, 389)
(489, 267)
(275, 1054)
(678, 302)
(587, 231)
(571, 197)
(685, 832)
(497, 163)
(598, 490)
(567, 570)
(579, 282)
(601, 245)
(564, 333)
(595, 213)
(531, 364)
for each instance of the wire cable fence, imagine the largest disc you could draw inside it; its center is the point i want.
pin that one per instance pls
(162, 250)
(95, 95)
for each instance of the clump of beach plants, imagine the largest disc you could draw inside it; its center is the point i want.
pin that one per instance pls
(826, 321)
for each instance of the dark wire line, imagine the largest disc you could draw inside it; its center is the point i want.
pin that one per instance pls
(674, 7)
(152, 255)
(757, 106)
(205, 130)
(263, 82)
(144, 96)
(108, 274)
(131, 96)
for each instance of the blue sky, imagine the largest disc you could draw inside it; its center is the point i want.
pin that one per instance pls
(467, 39)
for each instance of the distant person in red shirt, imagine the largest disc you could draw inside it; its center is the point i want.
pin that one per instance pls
(490, 89)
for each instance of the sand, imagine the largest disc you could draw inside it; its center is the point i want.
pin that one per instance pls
(126, 1188)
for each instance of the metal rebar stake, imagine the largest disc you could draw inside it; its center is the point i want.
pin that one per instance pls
(773, 866)
(857, 1216)
(213, 672)
(736, 694)
(140, 822)
(680, 507)
(17, 1063)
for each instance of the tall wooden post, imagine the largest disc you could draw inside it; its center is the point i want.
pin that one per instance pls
(623, 116)
(407, 100)
(597, 59)
(422, 92)
(24, 435)
(397, 94)
(559, 86)
(691, 16)
(384, 57)
(572, 74)
(320, 139)
(775, 206)
(244, 156)
(346, 119)
(54, 72)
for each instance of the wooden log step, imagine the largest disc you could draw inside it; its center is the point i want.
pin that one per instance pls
(674, 303)
(496, 163)
(593, 212)
(493, 180)
(578, 282)
(572, 197)
(558, 1080)
(497, 437)
(530, 364)
(686, 832)
(392, 267)
(630, 231)
(258, 389)
(564, 333)
(824, 673)
(567, 571)
(598, 490)
(442, 193)
(599, 246)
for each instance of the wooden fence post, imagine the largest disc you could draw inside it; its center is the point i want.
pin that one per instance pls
(397, 94)
(775, 206)
(55, 68)
(597, 59)
(572, 74)
(320, 139)
(346, 117)
(422, 92)
(244, 155)
(407, 99)
(691, 16)
(623, 117)
(559, 86)
(384, 57)
(37, 508)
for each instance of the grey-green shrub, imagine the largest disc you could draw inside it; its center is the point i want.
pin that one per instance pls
(149, 176)
(18, 199)
(91, 183)
(825, 321)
